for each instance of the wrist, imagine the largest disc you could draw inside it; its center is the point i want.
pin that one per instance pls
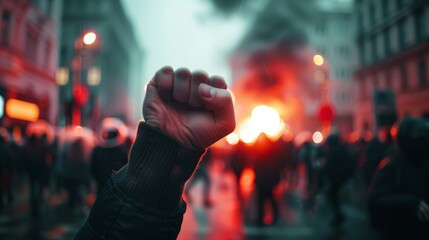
(158, 168)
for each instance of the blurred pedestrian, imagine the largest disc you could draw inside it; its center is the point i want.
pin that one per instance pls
(399, 196)
(238, 160)
(340, 165)
(268, 166)
(380, 147)
(201, 174)
(76, 173)
(6, 170)
(34, 158)
(111, 153)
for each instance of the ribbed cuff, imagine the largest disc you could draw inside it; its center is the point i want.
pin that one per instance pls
(157, 170)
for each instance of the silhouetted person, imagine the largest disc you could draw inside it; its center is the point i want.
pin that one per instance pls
(111, 153)
(399, 196)
(6, 170)
(378, 148)
(267, 165)
(34, 156)
(238, 160)
(202, 173)
(76, 171)
(339, 166)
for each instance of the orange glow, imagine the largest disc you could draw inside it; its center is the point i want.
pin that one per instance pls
(263, 119)
(318, 60)
(232, 138)
(246, 179)
(22, 110)
(16, 133)
(89, 38)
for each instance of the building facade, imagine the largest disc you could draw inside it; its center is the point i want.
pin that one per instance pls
(116, 54)
(28, 61)
(393, 45)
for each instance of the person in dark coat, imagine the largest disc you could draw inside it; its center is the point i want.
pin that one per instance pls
(340, 164)
(268, 166)
(238, 160)
(143, 200)
(111, 154)
(399, 195)
(202, 173)
(6, 170)
(34, 157)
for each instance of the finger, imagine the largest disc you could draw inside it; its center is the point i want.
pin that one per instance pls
(217, 82)
(220, 102)
(196, 79)
(182, 84)
(164, 79)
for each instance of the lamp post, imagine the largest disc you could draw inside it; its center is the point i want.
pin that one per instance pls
(326, 111)
(79, 90)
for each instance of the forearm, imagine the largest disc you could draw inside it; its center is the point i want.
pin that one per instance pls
(147, 192)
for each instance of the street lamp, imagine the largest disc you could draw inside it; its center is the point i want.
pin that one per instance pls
(318, 60)
(89, 38)
(326, 110)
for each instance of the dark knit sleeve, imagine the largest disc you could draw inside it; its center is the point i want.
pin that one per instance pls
(157, 170)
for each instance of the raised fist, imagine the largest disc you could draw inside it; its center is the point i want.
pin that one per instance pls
(190, 107)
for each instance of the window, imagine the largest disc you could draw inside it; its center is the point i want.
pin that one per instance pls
(419, 21)
(399, 4)
(422, 73)
(31, 39)
(404, 78)
(387, 43)
(321, 29)
(388, 79)
(401, 34)
(362, 54)
(48, 53)
(384, 8)
(5, 27)
(374, 49)
(50, 8)
(359, 20)
(343, 51)
(371, 14)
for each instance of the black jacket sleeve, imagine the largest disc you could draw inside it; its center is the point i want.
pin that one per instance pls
(143, 200)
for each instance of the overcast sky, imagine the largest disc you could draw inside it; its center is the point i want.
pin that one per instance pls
(184, 33)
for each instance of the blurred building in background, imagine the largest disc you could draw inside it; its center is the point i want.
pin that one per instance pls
(393, 76)
(109, 70)
(274, 64)
(28, 61)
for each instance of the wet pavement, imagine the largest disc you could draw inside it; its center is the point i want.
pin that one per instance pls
(228, 218)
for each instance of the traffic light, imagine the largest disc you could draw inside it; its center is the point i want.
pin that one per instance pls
(384, 108)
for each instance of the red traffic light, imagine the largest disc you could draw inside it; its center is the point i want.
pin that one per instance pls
(80, 94)
(326, 112)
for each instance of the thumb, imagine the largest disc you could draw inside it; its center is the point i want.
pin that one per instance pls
(219, 101)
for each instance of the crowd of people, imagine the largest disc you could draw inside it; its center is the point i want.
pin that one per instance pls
(392, 166)
(39, 168)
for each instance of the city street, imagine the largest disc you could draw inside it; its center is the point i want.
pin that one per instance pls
(226, 219)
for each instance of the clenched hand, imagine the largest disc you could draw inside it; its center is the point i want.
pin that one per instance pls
(192, 108)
